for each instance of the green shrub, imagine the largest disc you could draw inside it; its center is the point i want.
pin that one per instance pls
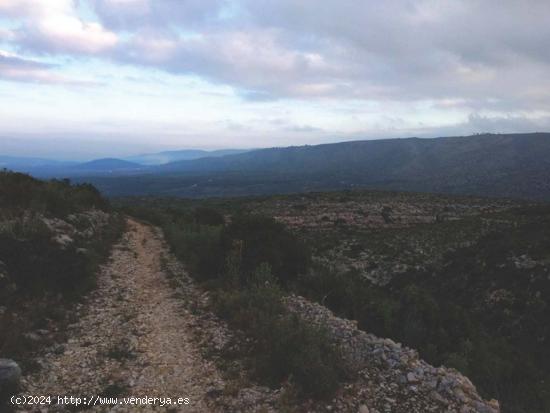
(55, 197)
(42, 278)
(40, 265)
(198, 246)
(284, 346)
(265, 240)
(208, 216)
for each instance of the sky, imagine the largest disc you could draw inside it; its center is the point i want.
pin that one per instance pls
(88, 78)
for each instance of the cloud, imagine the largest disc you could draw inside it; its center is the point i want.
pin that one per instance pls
(133, 15)
(55, 27)
(475, 123)
(15, 68)
(393, 68)
(253, 62)
(506, 124)
(475, 52)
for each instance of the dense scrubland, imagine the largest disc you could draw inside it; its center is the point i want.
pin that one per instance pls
(53, 236)
(464, 280)
(247, 264)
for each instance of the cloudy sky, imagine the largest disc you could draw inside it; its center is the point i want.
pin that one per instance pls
(86, 78)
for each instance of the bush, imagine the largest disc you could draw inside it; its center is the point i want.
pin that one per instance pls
(40, 279)
(208, 216)
(198, 246)
(265, 240)
(39, 265)
(284, 346)
(55, 197)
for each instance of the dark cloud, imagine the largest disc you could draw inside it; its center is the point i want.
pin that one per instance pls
(164, 15)
(474, 51)
(472, 54)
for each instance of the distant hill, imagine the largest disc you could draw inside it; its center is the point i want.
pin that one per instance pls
(181, 155)
(23, 163)
(43, 168)
(513, 165)
(107, 165)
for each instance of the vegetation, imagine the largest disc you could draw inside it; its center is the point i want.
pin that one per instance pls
(245, 263)
(484, 312)
(263, 240)
(465, 281)
(57, 197)
(285, 348)
(50, 250)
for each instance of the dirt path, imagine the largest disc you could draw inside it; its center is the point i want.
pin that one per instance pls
(133, 337)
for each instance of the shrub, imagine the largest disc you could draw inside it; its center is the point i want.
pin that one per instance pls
(198, 246)
(39, 265)
(265, 240)
(55, 197)
(208, 216)
(284, 346)
(40, 278)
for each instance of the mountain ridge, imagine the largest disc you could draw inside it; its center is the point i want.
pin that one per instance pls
(513, 165)
(496, 165)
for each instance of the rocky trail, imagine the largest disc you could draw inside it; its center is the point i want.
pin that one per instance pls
(134, 336)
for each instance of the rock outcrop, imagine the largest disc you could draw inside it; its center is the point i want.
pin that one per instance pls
(77, 226)
(393, 377)
(10, 376)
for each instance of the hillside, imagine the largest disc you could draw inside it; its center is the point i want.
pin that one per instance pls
(140, 324)
(463, 280)
(53, 237)
(17, 163)
(47, 169)
(154, 333)
(515, 166)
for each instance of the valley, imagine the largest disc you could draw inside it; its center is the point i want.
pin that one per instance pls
(323, 301)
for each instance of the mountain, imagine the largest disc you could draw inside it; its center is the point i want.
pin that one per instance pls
(107, 165)
(54, 169)
(60, 169)
(388, 159)
(513, 165)
(186, 154)
(23, 163)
